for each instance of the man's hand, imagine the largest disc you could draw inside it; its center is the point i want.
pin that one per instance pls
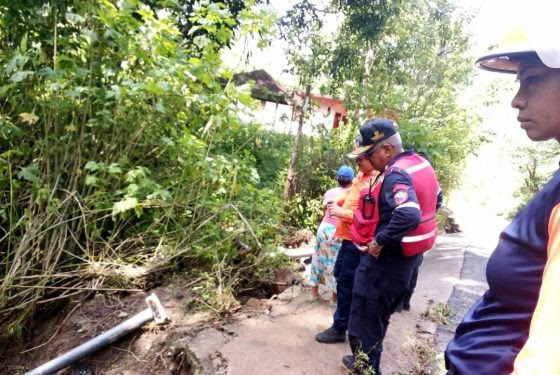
(362, 248)
(334, 209)
(374, 248)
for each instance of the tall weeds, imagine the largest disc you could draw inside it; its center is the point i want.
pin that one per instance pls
(115, 154)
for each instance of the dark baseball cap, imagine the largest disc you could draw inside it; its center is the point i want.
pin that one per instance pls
(373, 132)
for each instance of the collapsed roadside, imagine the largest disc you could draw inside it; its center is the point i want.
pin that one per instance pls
(263, 336)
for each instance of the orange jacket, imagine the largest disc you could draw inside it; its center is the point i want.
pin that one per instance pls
(349, 202)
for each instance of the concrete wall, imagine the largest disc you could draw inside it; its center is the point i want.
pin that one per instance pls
(281, 117)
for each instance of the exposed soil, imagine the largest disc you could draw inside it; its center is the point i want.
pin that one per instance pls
(263, 336)
(149, 350)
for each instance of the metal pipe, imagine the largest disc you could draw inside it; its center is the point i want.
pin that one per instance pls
(154, 312)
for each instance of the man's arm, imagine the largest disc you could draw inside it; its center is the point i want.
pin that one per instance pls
(344, 210)
(340, 212)
(399, 193)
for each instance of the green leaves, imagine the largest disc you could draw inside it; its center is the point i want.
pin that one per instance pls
(15, 63)
(28, 118)
(20, 76)
(124, 205)
(29, 173)
(413, 69)
(74, 18)
(114, 169)
(98, 173)
(91, 180)
(92, 166)
(104, 144)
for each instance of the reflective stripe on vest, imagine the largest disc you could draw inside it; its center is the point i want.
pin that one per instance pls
(423, 237)
(408, 204)
(409, 239)
(417, 167)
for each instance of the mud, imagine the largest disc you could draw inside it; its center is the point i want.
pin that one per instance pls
(149, 350)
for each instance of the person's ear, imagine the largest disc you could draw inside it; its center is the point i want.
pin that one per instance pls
(386, 149)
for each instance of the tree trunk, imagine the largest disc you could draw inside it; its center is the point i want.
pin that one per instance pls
(295, 149)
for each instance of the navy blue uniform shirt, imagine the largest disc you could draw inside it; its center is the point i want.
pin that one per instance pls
(399, 211)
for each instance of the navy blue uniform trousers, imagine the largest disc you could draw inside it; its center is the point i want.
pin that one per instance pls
(379, 287)
(412, 286)
(345, 266)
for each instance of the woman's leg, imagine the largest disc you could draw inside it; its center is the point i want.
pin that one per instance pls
(315, 292)
(317, 267)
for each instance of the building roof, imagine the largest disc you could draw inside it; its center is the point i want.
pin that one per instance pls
(265, 87)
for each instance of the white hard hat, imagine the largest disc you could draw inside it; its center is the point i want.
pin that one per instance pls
(507, 61)
(537, 36)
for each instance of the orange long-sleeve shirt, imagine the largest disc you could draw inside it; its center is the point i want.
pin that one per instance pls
(539, 356)
(349, 202)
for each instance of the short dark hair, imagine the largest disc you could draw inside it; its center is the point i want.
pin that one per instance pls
(344, 182)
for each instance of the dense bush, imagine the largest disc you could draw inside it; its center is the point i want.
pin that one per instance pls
(320, 158)
(121, 151)
(413, 68)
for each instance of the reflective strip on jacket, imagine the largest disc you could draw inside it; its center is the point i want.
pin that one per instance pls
(424, 181)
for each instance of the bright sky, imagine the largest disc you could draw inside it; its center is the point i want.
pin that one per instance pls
(495, 18)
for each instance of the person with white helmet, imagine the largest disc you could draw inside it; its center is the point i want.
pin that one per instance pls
(514, 327)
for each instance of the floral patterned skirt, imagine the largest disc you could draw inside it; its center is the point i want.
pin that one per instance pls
(324, 257)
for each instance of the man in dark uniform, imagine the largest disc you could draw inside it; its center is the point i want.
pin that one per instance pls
(406, 204)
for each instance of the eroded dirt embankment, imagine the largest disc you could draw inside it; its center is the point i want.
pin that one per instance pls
(263, 336)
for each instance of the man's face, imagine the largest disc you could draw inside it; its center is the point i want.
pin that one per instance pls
(538, 100)
(379, 157)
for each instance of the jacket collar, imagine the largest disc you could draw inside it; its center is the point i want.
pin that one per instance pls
(399, 156)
